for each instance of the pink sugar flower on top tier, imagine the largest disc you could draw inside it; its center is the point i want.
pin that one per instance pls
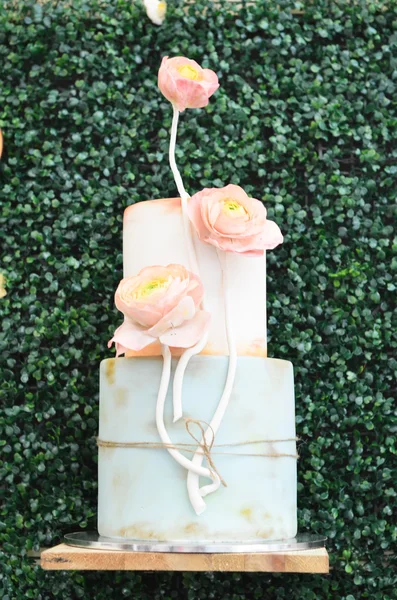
(231, 221)
(185, 84)
(160, 303)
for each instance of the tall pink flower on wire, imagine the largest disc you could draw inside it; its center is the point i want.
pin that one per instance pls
(185, 84)
(230, 220)
(160, 303)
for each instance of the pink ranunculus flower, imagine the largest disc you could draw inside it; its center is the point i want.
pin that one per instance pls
(160, 303)
(185, 84)
(231, 221)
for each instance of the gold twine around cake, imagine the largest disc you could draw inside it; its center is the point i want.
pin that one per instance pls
(205, 448)
(192, 448)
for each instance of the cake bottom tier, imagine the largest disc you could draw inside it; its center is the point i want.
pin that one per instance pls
(142, 492)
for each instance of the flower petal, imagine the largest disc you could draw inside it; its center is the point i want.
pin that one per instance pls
(195, 289)
(188, 334)
(191, 94)
(155, 10)
(173, 295)
(130, 336)
(184, 311)
(166, 82)
(245, 232)
(194, 213)
(271, 235)
(210, 81)
(182, 91)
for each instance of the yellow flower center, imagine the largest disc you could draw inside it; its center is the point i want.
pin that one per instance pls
(161, 8)
(150, 287)
(189, 72)
(232, 208)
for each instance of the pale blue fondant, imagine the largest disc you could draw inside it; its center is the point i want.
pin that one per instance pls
(142, 492)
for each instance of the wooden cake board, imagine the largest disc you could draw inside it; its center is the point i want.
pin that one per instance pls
(70, 558)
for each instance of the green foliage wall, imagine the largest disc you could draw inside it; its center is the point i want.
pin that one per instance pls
(305, 119)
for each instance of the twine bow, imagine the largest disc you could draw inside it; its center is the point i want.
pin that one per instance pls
(203, 444)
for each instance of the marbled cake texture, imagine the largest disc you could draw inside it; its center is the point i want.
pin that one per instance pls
(142, 492)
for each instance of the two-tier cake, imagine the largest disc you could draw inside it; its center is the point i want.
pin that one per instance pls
(197, 426)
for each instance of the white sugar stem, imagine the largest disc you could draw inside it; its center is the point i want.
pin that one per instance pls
(193, 483)
(177, 176)
(180, 372)
(183, 194)
(180, 458)
(193, 265)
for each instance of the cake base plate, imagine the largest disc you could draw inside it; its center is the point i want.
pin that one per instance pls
(91, 539)
(73, 558)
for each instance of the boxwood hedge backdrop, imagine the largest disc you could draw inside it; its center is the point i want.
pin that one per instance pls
(305, 119)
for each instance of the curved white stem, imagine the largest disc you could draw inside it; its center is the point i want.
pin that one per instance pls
(180, 372)
(180, 458)
(193, 265)
(177, 176)
(195, 493)
(182, 192)
(190, 352)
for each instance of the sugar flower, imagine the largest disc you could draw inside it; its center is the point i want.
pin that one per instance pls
(160, 303)
(185, 84)
(231, 221)
(155, 10)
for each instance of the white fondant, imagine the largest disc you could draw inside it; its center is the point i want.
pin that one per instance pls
(179, 373)
(154, 235)
(142, 491)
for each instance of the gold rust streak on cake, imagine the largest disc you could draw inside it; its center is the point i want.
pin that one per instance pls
(265, 534)
(256, 348)
(143, 531)
(194, 529)
(139, 531)
(117, 480)
(170, 205)
(153, 350)
(120, 397)
(110, 370)
(247, 513)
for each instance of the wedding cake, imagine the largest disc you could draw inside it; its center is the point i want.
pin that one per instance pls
(197, 426)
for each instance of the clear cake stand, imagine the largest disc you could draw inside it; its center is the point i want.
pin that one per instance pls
(91, 539)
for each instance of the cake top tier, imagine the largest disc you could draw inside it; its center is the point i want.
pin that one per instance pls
(153, 235)
(194, 267)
